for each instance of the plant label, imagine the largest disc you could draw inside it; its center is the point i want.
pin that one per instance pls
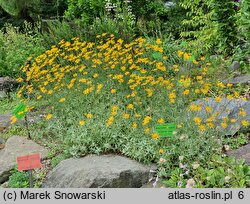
(165, 130)
(157, 55)
(29, 162)
(20, 111)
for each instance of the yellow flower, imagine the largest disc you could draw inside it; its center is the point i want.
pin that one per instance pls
(242, 112)
(126, 115)
(110, 120)
(208, 109)
(179, 126)
(13, 119)
(199, 77)
(137, 115)
(20, 79)
(202, 127)
(218, 99)
(161, 121)
(155, 136)
(134, 125)
(130, 106)
(114, 110)
(49, 116)
(211, 125)
(39, 97)
(158, 41)
(147, 130)
(62, 100)
(186, 56)
(146, 120)
(180, 53)
(224, 125)
(82, 122)
(113, 91)
(194, 107)
(244, 123)
(233, 120)
(99, 87)
(197, 120)
(202, 58)
(186, 92)
(50, 92)
(230, 97)
(95, 75)
(161, 151)
(89, 115)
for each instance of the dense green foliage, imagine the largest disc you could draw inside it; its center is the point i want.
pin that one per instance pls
(16, 47)
(21, 8)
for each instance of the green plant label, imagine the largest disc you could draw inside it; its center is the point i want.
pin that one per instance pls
(156, 55)
(165, 130)
(20, 112)
(192, 58)
(183, 43)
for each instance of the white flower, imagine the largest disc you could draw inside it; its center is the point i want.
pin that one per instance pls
(162, 160)
(195, 165)
(227, 147)
(208, 178)
(181, 158)
(227, 178)
(190, 183)
(183, 137)
(182, 166)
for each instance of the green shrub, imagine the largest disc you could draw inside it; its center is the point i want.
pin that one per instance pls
(16, 47)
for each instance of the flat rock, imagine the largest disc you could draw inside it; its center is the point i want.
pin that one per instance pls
(241, 153)
(4, 121)
(31, 117)
(14, 147)
(244, 79)
(92, 171)
(226, 109)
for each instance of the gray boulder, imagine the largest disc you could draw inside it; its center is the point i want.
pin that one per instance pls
(2, 142)
(4, 121)
(234, 66)
(224, 108)
(32, 117)
(14, 147)
(7, 85)
(241, 153)
(92, 171)
(244, 79)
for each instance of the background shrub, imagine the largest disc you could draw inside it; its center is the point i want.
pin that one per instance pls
(16, 47)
